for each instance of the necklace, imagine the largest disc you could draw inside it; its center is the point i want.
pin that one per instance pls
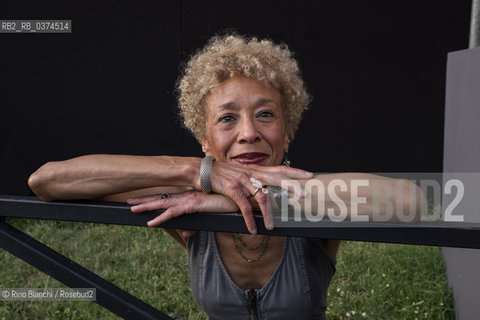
(237, 239)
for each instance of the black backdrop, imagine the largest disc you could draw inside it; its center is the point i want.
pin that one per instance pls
(376, 70)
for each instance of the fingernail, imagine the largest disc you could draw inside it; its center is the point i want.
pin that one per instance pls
(270, 222)
(307, 174)
(254, 230)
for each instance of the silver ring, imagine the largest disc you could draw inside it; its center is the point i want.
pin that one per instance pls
(257, 184)
(164, 195)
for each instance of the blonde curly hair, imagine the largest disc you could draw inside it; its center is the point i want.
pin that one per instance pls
(233, 55)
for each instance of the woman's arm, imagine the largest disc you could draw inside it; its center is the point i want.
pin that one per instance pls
(362, 197)
(177, 204)
(100, 175)
(104, 176)
(365, 189)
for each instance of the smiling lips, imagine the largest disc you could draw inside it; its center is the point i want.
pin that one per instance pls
(250, 157)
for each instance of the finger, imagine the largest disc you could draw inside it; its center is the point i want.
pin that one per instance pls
(246, 209)
(188, 233)
(158, 204)
(234, 182)
(291, 185)
(266, 209)
(140, 200)
(290, 172)
(170, 213)
(296, 173)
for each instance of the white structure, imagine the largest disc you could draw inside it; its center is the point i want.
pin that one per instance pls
(462, 154)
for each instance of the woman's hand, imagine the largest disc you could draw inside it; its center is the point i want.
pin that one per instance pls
(234, 181)
(177, 204)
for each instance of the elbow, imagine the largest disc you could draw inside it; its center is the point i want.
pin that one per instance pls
(40, 182)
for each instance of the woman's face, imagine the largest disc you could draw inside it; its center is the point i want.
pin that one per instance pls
(245, 123)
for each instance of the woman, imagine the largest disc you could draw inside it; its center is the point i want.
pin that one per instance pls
(242, 99)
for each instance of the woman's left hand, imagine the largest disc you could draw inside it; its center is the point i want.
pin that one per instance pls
(177, 204)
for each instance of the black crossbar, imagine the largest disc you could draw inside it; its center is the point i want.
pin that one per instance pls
(435, 233)
(74, 275)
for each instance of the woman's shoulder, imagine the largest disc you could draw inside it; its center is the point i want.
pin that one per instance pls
(329, 247)
(323, 249)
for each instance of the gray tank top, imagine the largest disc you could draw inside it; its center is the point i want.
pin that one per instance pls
(296, 290)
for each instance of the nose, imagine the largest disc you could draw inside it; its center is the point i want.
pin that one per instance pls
(248, 131)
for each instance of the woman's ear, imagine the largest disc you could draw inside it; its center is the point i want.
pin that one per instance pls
(286, 143)
(205, 147)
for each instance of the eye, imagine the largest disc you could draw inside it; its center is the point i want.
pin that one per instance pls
(226, 118)
(265, 114)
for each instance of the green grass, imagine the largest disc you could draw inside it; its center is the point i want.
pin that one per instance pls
(386, 281)
(145, 262)
(380, 280)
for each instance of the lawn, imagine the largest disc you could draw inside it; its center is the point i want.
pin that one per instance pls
(373, 281)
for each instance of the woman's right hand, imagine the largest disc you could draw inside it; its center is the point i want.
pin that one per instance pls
(177, 204)
(234, 182)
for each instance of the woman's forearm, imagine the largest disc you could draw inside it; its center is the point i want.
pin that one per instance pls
(94, 176)
(361, 197)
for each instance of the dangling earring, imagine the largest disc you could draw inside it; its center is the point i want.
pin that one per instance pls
(285, 161)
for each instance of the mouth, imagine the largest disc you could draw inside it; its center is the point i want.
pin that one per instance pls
(250, 158)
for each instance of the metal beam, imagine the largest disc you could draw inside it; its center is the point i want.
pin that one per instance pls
(475, 25)
(436, 233)
(74, 275)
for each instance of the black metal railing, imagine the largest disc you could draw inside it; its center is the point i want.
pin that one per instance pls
(118, 301)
